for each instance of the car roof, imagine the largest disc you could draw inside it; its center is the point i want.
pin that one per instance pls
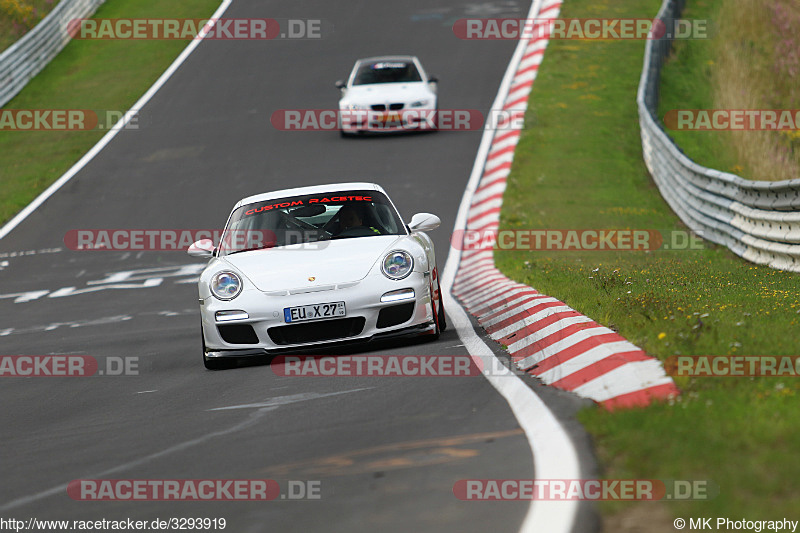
(313, 189)
(387, 58)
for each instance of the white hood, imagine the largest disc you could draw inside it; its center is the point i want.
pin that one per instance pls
(289, 267)
(380, 93)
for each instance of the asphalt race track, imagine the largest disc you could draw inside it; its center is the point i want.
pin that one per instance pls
(385, 451)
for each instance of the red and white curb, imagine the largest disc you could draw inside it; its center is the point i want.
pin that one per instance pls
(544, 336)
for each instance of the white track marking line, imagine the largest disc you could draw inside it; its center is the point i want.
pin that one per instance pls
(39, 200)
(252, 419)
(83, 161)
(554, 455)
(286, 400)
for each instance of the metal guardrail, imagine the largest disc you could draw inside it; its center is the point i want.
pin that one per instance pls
(34, 50)
(757, 220)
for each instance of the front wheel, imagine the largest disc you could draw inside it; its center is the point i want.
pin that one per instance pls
(441, 316)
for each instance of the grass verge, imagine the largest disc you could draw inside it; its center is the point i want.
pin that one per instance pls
(87, 74)
(17, 17)
(580, 167)
(752, 62)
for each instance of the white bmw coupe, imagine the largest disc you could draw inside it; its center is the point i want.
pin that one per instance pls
(387, 93)
(305, 267)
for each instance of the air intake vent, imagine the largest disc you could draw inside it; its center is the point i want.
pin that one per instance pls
(395, 314)
(238, 334)
(321, 330)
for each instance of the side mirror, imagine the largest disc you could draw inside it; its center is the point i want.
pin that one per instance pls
(433, 79)
(340, 84)
(202, 248)
(424, 222)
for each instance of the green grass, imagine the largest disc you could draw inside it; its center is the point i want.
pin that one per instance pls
(87, 74)
(750, 62)
(579, 166)
(686, 84)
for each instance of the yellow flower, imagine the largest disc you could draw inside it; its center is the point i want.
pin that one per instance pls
(661, 335)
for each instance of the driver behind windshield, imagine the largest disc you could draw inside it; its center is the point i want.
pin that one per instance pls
(351, 217)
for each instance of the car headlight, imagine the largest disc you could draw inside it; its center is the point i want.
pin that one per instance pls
(397, 264)
(225, 285)
(420, 103)
(354, 107)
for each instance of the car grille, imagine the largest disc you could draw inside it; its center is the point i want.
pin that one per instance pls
(238, 334)
(395, 314)
(321, 330)
(382, 107)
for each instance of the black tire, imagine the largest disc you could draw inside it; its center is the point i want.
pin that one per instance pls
(441, 315)
(435, 314)
(211, 363)
(436, 330)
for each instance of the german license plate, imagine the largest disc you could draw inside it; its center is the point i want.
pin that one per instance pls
(304, 313)
(389, 118)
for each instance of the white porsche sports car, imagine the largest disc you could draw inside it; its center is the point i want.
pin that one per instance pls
(387, 93)
(301, 268)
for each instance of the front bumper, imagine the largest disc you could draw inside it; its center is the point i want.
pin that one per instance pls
(367, 318)
(422, 119)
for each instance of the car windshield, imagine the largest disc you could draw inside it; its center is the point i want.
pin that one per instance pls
(386, 72)
(310, 218)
